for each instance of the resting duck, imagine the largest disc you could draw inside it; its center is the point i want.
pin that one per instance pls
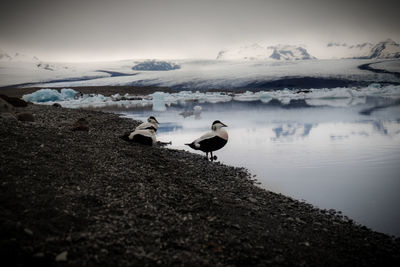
(211, 141)
(144, 133)
(145, 137)
(151, 123)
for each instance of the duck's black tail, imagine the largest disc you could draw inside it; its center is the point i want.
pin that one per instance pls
(125, 137)
(191, 145)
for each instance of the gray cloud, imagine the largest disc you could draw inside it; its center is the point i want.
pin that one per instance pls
(84, 29)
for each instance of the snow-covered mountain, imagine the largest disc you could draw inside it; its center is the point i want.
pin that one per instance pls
(289, 52)
(337, 50)
(258, 52)
(251, 52)
(386, 49)
(156, 65)
(4, 56)
(382, 50)
(29, 61)
(17, 57)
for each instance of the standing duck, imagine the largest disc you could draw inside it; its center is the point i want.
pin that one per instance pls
(211, 141)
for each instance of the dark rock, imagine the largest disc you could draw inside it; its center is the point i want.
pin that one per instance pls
(25, 116)
(81, 125)
(57, 105)
(5, 106)
(8, 116)
(62, 256)
(16, 102)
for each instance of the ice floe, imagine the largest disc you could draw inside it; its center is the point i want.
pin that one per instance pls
(160, 101)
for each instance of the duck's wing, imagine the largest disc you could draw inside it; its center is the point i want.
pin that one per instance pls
(212, 143)
(205, 137)
(143, 137)
(147, 126)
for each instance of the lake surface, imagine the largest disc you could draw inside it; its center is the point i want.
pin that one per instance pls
(329, 156)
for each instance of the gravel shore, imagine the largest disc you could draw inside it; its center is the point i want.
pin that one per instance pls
(88, 198)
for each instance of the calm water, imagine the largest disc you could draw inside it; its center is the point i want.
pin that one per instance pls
(331, 157)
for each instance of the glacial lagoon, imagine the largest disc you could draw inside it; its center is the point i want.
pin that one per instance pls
(338, 153)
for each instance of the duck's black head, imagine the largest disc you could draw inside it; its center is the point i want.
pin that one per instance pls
(217, 124)
(152, 118)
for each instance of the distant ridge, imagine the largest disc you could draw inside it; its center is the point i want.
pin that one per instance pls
(387, 49)
(258, 52)
(18, 57)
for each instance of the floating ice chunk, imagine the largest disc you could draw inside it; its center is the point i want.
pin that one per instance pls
(68, 93)
(247, 96)
(375, 85)
(265, 97)
(197, 109)
(47, 95)
(159, 101)
(116, 96)
(43, 95)
(331, 102)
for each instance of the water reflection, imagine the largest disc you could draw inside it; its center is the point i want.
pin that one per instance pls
(290, 129)
(332, 157)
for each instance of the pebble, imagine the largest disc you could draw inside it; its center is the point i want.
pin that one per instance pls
(62, 256)
(252, 199)
(39, 255)
(28, 231)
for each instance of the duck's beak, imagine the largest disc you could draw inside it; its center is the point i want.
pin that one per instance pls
(224, 125)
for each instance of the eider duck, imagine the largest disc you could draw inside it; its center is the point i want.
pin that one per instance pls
(145, 137)
(211, 141)
(151, 123)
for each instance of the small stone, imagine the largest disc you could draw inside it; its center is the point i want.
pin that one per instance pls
(28, 231)
(8, 116)
(62, 256)
(300, 220)
(39, 255)
(5, 106)
(81, 125)
(279, 259)
(25, 116)
(253, 200)
(15, 101)
(57, 105)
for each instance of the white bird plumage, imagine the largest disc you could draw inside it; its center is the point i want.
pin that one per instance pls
(151, 123)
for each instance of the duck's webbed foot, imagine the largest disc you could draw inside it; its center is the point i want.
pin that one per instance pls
(213, 157)
(164, 143)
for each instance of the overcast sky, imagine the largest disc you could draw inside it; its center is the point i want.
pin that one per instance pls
(80, 30)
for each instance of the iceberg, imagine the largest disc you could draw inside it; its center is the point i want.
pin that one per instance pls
(160, 101)
(47, 95)
(68, 93)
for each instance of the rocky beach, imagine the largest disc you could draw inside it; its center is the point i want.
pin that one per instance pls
(87, 198)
